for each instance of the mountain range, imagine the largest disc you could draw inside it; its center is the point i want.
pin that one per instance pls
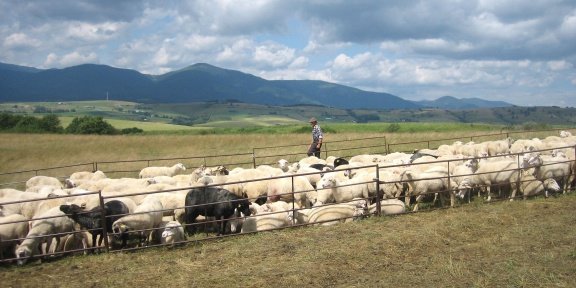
(199, 83)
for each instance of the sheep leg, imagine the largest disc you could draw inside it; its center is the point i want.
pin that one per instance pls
(222, 225)
(514, 187)
(488, 191)
(407, 199)
(418, 198)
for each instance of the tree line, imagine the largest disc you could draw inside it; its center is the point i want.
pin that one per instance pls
(51, 124)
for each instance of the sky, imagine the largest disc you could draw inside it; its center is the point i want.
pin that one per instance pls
(521, 52)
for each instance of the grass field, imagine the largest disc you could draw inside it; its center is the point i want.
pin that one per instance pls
(506, 244)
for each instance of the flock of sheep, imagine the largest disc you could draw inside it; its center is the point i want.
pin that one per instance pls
(90, 211)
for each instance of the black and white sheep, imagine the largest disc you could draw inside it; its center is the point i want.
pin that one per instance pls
(92, 219)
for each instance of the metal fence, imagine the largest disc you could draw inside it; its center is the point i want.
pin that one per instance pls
(72, 241)
(258, 156)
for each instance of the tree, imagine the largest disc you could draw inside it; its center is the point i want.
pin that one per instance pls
(133, 130)
(50, 123)
(28, 124)
(9, 121)
(90, 125)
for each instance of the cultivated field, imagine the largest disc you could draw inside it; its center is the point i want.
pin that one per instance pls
(506, 244)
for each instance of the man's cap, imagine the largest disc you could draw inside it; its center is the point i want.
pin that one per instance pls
(313, 120)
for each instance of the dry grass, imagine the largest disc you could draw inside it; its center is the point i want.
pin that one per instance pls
(519, 244)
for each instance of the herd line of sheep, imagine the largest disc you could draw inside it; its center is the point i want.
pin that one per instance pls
(90, 211)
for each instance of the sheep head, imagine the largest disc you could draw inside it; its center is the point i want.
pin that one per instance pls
(72, 208)
(180, 167)
(283, 164)
(243, 206)
(472, 164)
(463, 188)
(69, 183)
(23, 253)
(328, 181)
(531, 159)
(120, 228)
(551, 185)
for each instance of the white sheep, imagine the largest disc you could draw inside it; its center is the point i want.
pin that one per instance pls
(310, 160)
(43, 181)
(78, 178)
(173, 202)
(172, 233)
(427, 183)
(272, 171)
(9, 192)
(367, 159)
(388, 207)
(502, 172)
(330, 214)
(522, 145)
(267, 221)
(531, 186)
(12, 233)
(565, 134)
(52, 225)
(153, 171)
(187, 180)
(296, 188)
(331, 190)
(145, 218)
(27, 207)
(461, 174)
(249, 183)
(557, 167)
(391, 183)
(129, 187)
(312, 174)
(499, 147)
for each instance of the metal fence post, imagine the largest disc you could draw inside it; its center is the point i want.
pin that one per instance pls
(378, 204)
(104, 226)
(253, 157)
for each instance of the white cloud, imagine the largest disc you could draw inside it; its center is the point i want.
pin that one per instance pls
(20, 41)
(416, 49)
(272, 55)
(88, 32)
(70, 59)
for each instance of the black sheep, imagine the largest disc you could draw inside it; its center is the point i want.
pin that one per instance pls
(92, 219)
(216, 202)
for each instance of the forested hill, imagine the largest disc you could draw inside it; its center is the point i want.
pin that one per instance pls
(197, 83)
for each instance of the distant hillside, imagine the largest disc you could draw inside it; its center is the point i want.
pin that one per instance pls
(449, 102)
(196, 83)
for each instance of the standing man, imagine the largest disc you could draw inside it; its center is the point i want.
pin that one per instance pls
(316, 138)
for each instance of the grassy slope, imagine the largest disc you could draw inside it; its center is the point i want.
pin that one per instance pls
(519, 244)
